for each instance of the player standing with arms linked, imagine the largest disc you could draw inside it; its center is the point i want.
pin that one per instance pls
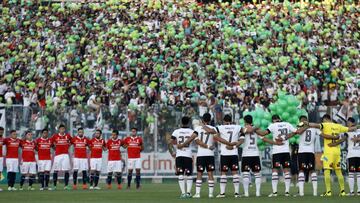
(251, 156)
(281, 131)
(1, 152)
(80, 161)
(306, 157)
(97, 145)
(205, 159)
(182, 138)
(114, 159)
(28, 162)
(332, 152)
(12, 144)
(43, 146)
(229, 156)
(134, 145)
(353, 155)
(61, 141)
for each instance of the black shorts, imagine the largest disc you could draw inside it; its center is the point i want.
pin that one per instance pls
(354, 164)
(250, 163)
(281, 160)
(205, 163)
(230, 162)
(184, 165)
(306, 161)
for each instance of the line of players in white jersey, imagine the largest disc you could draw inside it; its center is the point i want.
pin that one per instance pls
(231, 137)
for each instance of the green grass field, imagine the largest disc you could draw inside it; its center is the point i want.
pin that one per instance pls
(167, 192)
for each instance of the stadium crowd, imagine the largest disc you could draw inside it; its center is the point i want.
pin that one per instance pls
(134, 54)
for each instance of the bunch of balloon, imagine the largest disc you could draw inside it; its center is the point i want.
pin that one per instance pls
(289, 109)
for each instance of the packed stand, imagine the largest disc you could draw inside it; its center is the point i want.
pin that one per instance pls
(181, 56)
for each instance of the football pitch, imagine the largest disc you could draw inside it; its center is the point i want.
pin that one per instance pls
(166, 192)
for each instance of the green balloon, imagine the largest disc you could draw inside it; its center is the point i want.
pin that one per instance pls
(267, 116)
(257, 123)
(264, 124)
(291, 110)
(282, 104)
(292, 140)
(272, 107)
(269, 136)
(285, 116)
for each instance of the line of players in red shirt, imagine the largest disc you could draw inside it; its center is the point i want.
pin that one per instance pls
(61, 143)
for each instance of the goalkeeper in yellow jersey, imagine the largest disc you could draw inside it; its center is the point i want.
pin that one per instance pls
(332, 154)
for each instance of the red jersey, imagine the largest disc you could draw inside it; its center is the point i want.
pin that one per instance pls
(80, 145)
(96, 146)
(28, 150)
(44, 148)
(61, 143)
(1, 146)
(12, 147)
(133, 146)
(114, 149)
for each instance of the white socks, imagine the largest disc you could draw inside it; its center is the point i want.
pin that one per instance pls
(198, 186)
(258, 183)
(301, 181)
(358, 181)
(246, 182)
(351, 180)
(189, 182)
(236, 183)
(287, 181)
(274, 181)
(314, 182)
(210, 183)
(181, 183)
(223, 181)
(211, 187)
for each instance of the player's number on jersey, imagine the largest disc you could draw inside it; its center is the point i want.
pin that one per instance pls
(283, 132)
(252, 139)
(182, 139)
(230, 135)
(308, 136)
(206, 135)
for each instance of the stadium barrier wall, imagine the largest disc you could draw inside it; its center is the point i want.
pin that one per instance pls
(155, 124)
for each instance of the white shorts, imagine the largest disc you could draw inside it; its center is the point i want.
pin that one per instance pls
(80, 164)
(44, 165)
(28, 168)
(114, 166)
(61, 162)
(12, 165)
(95, 164)
(1, 163)
(134, 163)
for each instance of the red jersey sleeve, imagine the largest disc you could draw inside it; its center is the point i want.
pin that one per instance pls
(52, 139)
(126, 141)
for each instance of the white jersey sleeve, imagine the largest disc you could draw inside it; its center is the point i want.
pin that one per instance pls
(307, 140)
(281, 130)
(230, 133)
(181, 135)
(250, 147)
(207, 139)
(353, 147)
